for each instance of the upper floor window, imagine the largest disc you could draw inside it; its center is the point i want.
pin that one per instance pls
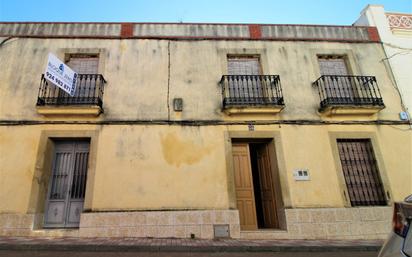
(89, 85)
(247, 65)
(83, 63)
(338, 88)
(332, 65)
(246, 86)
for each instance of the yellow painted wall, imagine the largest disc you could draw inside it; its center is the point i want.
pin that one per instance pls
(161, 167)
(139, 81)
(18, 147)
(184, 167)
(174, 167)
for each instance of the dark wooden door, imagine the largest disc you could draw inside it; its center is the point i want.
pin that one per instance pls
(267, 190)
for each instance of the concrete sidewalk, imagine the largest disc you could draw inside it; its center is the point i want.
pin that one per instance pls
(184, 245)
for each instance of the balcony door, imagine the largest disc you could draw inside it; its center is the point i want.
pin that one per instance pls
(83, 64)
(245, 87)
(67, 185)
(340, 86)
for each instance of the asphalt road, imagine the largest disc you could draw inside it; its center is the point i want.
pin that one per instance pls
(181, 254)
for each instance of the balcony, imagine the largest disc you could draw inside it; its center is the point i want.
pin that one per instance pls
(355, 95)
(88, 99)
(243, 94)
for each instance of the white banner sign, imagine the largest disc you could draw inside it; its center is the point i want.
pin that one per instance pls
(60, 75)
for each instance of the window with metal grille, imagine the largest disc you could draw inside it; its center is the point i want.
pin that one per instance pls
(361, 172)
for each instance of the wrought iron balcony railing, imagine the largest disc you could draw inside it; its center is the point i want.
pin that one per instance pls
(335, 90)
(89, 91)
(251, 90)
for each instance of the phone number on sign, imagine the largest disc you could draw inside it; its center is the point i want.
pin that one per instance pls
(57, 81)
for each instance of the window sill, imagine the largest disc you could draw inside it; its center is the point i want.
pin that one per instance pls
(253, 110)
(337, 110)
(87, 110)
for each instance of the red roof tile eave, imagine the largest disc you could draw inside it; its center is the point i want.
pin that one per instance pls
(194, 38)
(179, 23)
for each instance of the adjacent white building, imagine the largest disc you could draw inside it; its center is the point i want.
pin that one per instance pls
(395, 31)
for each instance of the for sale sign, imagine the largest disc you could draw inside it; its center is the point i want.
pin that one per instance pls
(61, 75)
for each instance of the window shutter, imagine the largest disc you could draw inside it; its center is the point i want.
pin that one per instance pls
(332, 66)
(243, 66)
(84, 64)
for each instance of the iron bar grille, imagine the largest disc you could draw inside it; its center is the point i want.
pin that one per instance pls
(78, 189)
(251, 90)
(60, 175)
(348, 90)
(89, 91)
(361, 172)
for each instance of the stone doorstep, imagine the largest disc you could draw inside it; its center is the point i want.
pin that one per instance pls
(265, 234)
(185, 245)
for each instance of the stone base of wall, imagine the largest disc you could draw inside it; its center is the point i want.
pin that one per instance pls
(161, 224)
(23, 224)
(304, 223)
(331, 223)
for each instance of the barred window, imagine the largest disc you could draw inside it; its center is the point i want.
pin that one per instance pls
(361, 172)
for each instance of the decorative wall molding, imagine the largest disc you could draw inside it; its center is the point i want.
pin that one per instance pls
(399, 21)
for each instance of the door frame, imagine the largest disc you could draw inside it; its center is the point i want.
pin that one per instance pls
(277, 163)
(67, 200)
(43, 167)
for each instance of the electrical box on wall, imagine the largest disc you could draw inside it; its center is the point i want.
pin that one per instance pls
(301, 174)
(403, 116)
(178, 104)
(221, 231)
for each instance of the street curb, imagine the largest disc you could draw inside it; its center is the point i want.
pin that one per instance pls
(186, 248)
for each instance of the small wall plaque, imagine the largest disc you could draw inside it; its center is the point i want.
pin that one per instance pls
(301, 174)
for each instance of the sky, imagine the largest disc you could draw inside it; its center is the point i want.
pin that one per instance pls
(335, 12)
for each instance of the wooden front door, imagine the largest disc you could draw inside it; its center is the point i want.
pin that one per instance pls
(245, 197)
(267, 191)
(67, 185)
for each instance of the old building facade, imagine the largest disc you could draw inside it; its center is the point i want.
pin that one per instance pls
(204, 130)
